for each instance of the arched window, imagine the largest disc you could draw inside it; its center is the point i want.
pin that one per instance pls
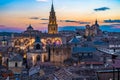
(49, 41)
(38, 57)
(58, 42)
(16, 65)
(45, 58)
(17, 42)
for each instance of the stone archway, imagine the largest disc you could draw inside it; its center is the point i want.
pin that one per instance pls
(49, 41)
(45, 58)
(38, 58)
(26, 41)
(17, 42)
(58, 42)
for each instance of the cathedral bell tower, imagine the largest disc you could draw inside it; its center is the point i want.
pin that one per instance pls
(52, 26)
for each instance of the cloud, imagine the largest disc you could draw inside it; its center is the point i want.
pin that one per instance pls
(43, 23)
(35, 18)
(44, 19)
(84, 22)
(42, 0)
(67, 21)
(70, 21)
(74, 21)
(102, 9)
(112, 21)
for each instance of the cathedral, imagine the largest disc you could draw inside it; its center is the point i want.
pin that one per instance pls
(43, 47)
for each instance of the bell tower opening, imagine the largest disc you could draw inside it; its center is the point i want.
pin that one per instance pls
(16, 65)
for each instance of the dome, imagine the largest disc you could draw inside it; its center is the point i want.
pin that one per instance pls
(30, 27)
(74, 40)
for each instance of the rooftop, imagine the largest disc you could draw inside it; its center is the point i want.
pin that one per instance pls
(16, 58)
(83, 49)
(74, 40)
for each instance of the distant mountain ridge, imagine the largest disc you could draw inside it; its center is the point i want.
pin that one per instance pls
(7, 33)
(108, 28)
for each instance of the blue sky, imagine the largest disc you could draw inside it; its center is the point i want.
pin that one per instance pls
(16, 14)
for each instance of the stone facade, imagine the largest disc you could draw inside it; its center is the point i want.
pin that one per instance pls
(58, 54)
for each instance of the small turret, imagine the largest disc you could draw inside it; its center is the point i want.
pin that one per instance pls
(29, 28)
(96, 23)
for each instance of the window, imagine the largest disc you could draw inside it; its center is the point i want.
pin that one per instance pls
(38, 46)
(38, 57)
(16, 65)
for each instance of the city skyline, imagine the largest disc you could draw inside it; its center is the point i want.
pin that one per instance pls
(59, 39)
(18, 14)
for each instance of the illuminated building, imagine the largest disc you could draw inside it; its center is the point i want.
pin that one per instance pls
(35, 43)
(31, 32)
(37, 54)
(92, 30)
(52, 26)
(4, 42)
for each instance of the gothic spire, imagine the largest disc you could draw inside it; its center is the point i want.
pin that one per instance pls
(52, 7)
(52, 26)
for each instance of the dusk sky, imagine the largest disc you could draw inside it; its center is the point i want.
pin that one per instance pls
(18, 14)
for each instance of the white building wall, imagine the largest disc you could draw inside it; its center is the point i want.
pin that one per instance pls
(12, 64)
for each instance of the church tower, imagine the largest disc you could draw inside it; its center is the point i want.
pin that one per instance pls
(98, 31)
(52, 26)
(96, 24)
